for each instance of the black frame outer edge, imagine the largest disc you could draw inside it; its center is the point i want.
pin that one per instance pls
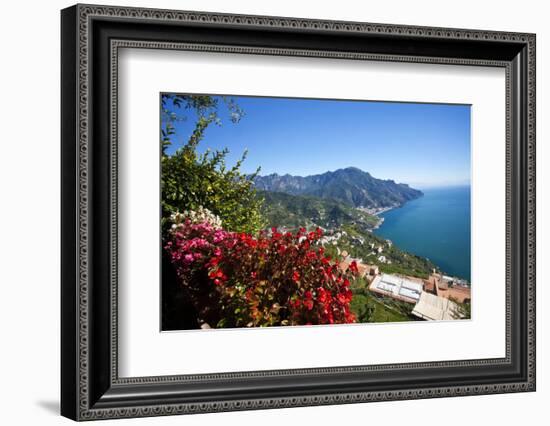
(106, 395)
(69, 188)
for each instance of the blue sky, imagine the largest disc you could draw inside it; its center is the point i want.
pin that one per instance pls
(420, 144)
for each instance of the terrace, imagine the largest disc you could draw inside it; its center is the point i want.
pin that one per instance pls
(398, 288)
(432, 307)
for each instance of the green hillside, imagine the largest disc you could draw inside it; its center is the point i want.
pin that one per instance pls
(366, 246)
(281, 209)
(347, 228)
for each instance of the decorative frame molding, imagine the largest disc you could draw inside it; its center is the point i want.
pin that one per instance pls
(91, 37)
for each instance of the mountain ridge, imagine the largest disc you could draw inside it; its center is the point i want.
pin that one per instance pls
(350, 185)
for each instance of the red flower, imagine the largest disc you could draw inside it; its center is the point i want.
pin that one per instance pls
(295, 303)
(311, 255)
(353, 267)
(345, 296)
(312, 287)
(322, 295)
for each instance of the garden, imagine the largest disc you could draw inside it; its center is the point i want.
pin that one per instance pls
(221, 267)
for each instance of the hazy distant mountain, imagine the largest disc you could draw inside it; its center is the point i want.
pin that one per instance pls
(350, 185)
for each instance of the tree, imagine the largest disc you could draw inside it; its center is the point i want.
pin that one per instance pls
(174, 108)
(191, 180)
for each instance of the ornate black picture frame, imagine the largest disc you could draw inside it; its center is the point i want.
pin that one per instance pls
(91, 36)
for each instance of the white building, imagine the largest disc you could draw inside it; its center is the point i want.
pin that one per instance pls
(432, 307)
(397, 287)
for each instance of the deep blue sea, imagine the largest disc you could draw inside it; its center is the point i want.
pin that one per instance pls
(436, 226)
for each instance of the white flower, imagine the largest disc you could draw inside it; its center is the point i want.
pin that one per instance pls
(200, 215)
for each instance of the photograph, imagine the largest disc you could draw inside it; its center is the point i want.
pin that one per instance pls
(265, 209)
(279, 211)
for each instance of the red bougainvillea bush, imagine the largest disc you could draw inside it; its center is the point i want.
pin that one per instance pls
(239, 280)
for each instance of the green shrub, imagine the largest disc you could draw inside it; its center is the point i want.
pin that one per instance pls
(190, 181)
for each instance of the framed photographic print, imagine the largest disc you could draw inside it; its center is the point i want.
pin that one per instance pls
(263, 212)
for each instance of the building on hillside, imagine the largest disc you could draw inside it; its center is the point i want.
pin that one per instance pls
(448, 287)
(396, 287)
(430, 284)
(344, 264)
(435, 308)
(369, 272)
(457, 293)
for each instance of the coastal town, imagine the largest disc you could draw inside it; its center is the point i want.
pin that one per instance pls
(376, 212)
(436, 298)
